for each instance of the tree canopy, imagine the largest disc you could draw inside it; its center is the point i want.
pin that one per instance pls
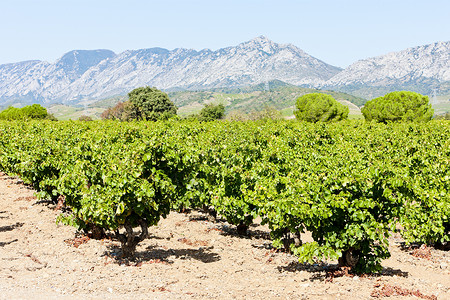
(144, 103)
(121, 111)
(317, 107)
(211, 112)
(34, 111)
(398, 106)
(151, 104)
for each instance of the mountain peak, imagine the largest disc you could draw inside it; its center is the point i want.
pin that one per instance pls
(79, 61)
(81, 54)
(261, 39)
(260, 43)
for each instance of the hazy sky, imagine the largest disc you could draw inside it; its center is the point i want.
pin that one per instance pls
(338, 32)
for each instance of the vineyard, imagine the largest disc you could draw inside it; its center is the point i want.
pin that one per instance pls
(350, 184)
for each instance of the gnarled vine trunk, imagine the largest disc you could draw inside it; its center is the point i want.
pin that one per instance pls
(242, 228)
(128, 239)
(291, 238)
(349, 258)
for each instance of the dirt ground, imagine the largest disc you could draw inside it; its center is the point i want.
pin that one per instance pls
(185, 258)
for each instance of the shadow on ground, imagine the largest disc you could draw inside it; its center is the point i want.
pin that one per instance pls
(324, 271)
(3, 244)
(156, 254)
(10, 227)
(229, 230)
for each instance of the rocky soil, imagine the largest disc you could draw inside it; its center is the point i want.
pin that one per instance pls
(186, 257)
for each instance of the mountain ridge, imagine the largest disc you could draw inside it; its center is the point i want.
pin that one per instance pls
(89, 75)
(422, 69)
(96, 74)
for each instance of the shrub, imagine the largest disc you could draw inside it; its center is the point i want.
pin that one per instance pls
(123, 111)
(317, 107)
(113, 113)
(84, 118)
(212, 112)
(34, 111)
(398, 106)
(445, 116)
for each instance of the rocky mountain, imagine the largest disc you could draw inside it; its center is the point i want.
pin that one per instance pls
(81, 75)
(421, 69)
(41, 82)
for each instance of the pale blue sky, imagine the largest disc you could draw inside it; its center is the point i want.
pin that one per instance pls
(338, 32)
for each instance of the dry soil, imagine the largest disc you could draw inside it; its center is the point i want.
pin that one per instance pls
(186, 257)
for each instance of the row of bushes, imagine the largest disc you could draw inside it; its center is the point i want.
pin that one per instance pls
(348, 183)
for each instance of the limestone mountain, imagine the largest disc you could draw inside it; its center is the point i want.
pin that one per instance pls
(89, 75)
(421, 69)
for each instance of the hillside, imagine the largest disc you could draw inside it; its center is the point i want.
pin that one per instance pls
(274, 94)
(255, 98)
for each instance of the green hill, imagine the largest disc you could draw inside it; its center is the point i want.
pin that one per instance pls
(276, 94)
